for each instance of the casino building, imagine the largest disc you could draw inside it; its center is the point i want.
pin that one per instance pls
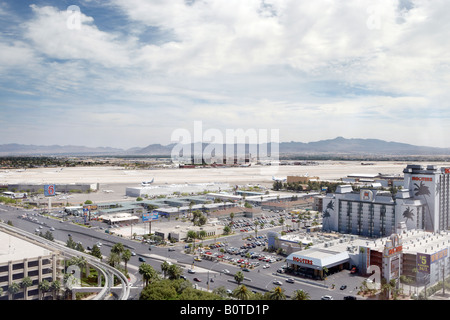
(422, 203)
(421, 256)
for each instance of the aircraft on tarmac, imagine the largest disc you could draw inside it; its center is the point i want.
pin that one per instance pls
(146, 183)
(279, 179)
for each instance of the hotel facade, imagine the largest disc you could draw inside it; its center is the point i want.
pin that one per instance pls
(422, 203)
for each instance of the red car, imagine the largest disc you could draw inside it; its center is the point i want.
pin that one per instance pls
(197, 280)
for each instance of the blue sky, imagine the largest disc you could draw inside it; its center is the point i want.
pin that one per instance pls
(136, 70)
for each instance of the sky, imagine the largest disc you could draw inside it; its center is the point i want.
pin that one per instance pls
(129, 73)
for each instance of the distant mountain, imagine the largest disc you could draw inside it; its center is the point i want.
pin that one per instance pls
(342, 145)
(15, 149)
(337, 146)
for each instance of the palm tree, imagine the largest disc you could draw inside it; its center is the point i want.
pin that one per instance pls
(281, 221)
(422, 190)
(256, 228)
(44, 287)
(148, 273)
(239, 277)
(408, 214)
(114, 259)
(202, 235)
(26, 282)
(174, 271)
(13, 289)
(192, 235)
(277, 294)
(55, 287)
(165, 267)
(80, 262)
(326, 214)
(118, 248)
(241, 293)
(126, 256)
(300, 295)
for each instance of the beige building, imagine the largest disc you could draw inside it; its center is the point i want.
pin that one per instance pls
(20, 258)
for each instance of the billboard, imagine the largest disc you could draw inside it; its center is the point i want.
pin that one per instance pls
(423, 263)
(49, 190)
(395, 267)
(150, 216)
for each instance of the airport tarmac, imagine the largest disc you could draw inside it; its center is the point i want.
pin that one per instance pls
(117, 179)
(325, 170)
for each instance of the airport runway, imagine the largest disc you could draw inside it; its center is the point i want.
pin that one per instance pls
(325, 170)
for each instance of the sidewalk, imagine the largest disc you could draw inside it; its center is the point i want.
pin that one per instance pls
(439, 295)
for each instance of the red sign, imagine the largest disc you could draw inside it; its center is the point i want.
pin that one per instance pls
(422, 179)
(447, 170)
(395, 250)
(301, 260)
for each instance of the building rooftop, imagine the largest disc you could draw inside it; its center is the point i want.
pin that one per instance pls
(13, 248)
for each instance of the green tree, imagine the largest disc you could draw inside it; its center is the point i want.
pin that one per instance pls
(96, 252)
(126, 256)
(148, 273)
(26, 282)
(277, 294)
(300, 295)
(44, 287)
(71, 244)
(55, 287)
(174, 271)
(13, 289)
(114, 259)
(241, 293)
(165, 268)
(118, 248)
(192, 235)
(226, 230)
(239, 277)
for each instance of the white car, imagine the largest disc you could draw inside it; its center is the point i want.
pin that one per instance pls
(326, 297)
(191, 271)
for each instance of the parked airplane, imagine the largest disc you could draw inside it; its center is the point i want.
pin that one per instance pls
(278, 179)
(146, 183)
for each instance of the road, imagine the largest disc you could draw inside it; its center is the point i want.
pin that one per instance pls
(258, 279)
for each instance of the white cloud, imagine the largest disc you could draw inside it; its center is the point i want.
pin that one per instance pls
(50, 35)
(314, 69)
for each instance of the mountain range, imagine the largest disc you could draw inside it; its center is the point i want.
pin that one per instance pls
(336, 146)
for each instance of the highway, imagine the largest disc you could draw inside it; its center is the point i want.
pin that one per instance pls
(258, 279)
